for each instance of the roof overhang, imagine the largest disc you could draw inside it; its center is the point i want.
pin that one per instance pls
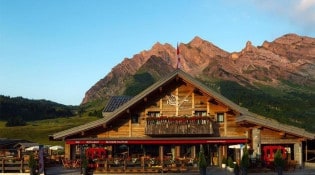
(274, 125)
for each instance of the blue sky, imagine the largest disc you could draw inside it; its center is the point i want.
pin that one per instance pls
(57, 50)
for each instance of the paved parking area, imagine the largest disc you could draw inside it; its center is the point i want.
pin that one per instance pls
(60, 170)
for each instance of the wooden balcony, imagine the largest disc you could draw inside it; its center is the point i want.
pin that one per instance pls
(179, 126)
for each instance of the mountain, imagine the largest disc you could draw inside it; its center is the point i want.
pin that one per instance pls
(114, 82)
(276, 79)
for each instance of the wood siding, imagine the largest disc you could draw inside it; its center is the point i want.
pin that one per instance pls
(178, 101)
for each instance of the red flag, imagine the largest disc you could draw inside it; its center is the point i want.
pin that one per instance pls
(178, 58)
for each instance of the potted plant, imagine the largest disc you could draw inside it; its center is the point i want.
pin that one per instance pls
(32, 164)
(245, 161)
(84, 164)
(195, 162)
(202, 163)
(279, 162)
(230, 164)
(224, 162)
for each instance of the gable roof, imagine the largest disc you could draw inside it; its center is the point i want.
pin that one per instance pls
(245, 114)
(275, 125)
(24, 145)
(9, 143)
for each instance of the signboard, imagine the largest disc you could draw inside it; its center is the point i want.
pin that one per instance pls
(158, 141)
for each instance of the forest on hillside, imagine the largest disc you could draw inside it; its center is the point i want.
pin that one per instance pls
(289, 107)
(18, 110)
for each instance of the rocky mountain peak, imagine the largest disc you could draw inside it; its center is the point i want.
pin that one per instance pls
(196, 41)
(289, 57)
(288, 39)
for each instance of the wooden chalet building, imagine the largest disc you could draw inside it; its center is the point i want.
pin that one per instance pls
(171, 119)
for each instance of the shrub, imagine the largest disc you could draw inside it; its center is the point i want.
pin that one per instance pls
(202, 163)
(224, 160)
(230, 162)
(278, 160)
(245, 161)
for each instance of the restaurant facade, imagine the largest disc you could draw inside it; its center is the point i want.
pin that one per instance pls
(169, 122)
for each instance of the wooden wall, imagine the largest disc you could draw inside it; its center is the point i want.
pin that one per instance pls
(181, 101)
(233, 129)
(269, 136)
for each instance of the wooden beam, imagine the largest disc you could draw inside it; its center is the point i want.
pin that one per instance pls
(302, 139)
(193, 103)
(225, 124)
(177, 103)
(161, 107)
(185, 98)
(213, 101)
(130, 127)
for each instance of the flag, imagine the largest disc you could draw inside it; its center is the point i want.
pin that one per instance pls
(178, 58)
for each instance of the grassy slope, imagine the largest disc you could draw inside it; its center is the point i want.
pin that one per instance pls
(38, 131)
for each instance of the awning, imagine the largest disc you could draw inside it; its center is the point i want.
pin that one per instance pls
(157, 141)
(238, 146)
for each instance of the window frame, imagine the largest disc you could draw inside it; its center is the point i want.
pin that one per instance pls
(135, 118)
(153, 114)
(220, 117)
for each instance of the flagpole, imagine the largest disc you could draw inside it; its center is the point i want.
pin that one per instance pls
(178, 66)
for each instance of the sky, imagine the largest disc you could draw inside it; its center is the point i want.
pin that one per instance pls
(58, 49)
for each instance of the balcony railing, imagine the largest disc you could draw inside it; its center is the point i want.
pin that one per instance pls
(179, 126)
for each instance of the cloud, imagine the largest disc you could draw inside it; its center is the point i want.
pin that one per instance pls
(306, 4)
(305, 13)
(298, 12)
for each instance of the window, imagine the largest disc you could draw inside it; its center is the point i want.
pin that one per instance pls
(153, 114)
(135, 118)
(200, 113)
(220, 117)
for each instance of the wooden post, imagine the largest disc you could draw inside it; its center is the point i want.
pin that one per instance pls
(222, 153)
(22, 164)
(177, 103)
(193, 151)
(177, 151)
(130, 126)
(225, 124)
(125, 164)
(208, 108)
(161, 153)
(3, 162)
(161, 107)
(20, 153)
(142, 162)
(106, 165)
(193, 104)
(306, 151)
